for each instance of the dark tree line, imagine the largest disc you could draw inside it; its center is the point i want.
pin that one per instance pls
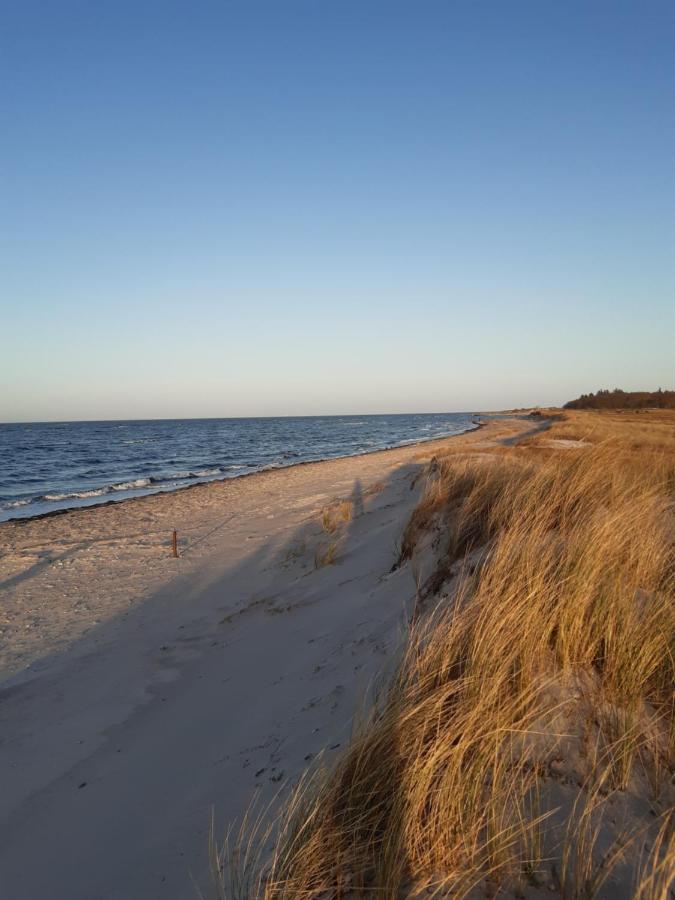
(618, 399)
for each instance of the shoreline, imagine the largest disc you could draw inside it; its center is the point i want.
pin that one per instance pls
(65, 571)
(220, 673)
(62, 510)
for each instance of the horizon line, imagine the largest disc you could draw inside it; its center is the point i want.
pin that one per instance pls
(446, 412)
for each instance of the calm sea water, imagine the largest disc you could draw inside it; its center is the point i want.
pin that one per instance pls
(48, 466)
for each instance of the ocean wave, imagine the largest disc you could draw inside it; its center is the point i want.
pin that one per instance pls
(198, 473)
(75, 495)
(133, 485)
(136, 484)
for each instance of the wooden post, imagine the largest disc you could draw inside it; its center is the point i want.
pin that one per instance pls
(174, 545)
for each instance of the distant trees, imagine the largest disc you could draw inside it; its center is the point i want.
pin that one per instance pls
(618, 399)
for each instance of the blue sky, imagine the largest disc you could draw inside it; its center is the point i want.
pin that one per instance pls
(329, 207)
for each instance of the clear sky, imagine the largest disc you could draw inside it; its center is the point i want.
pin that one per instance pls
(250, 208)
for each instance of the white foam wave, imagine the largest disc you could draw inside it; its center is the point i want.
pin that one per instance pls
(98, 492)
(15, 504)
(131, 485)
(75, 495)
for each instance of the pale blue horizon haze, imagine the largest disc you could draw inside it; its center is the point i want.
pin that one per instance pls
(296, 208)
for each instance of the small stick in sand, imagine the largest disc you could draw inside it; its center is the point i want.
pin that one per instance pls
(174, 545)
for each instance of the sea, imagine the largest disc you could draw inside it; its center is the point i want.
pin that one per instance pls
(47, 466)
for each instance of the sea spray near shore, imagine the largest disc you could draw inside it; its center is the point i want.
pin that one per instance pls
(51, 466)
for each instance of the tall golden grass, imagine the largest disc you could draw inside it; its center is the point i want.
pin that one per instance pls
(535, 698)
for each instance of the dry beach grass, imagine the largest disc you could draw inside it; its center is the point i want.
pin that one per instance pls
(524, 746)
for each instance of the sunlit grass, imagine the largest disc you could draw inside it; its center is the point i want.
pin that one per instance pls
(559, 646)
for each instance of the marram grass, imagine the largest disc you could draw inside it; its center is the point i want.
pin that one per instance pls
(532, 706)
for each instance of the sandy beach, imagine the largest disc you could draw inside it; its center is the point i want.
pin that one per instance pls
(337, 451)
(140, 693)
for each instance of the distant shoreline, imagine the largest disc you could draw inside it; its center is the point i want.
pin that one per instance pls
(21, 519)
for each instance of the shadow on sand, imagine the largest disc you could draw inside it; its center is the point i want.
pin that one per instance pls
(119, 744)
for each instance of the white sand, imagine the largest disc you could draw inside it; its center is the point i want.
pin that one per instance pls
(141, 692)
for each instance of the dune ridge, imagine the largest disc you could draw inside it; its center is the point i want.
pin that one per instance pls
(524, 744)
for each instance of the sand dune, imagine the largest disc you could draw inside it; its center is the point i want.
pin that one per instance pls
(140, 692)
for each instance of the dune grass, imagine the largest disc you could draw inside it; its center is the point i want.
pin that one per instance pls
(336, 515)
(526, 743)
(326, 554)
(334, 519)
